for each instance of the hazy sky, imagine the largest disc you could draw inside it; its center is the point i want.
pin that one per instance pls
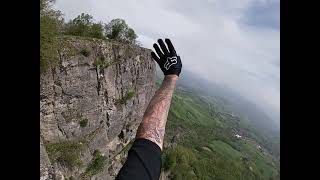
(233, 42)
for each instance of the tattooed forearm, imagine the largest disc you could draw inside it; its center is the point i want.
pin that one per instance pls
(154, 120)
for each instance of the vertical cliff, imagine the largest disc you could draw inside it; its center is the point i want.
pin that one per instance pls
(90, 107)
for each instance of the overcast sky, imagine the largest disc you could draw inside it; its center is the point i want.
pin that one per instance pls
(231, 42)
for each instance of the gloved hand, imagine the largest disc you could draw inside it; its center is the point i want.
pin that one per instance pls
(168, 60)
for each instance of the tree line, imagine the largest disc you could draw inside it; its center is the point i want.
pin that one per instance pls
(83, 25)
(52, 25)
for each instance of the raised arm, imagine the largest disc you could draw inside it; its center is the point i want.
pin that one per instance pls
(154, 120)
(144, 157)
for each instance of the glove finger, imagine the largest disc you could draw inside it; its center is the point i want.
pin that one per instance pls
(163, 47)
(155, 57)
(156, 47)
(170, 46)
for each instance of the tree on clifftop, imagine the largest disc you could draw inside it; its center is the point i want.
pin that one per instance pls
(83, 25)
(119, 30)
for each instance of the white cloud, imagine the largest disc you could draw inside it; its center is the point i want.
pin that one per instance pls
(209, 35)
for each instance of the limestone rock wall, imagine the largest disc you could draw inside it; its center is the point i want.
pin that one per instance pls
(95, 98)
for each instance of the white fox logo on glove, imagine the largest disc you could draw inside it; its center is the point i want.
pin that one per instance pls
(170, 61)
(167, 58)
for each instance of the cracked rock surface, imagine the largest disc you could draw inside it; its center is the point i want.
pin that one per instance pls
(95, 99)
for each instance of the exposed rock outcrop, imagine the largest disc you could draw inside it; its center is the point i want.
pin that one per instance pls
(92, 101)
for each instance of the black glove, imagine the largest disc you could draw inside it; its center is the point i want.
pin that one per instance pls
(169, 61)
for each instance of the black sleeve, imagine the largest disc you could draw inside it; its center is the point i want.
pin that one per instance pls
(143, 162)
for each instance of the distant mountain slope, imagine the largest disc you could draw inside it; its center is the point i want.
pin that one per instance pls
(227, 100)
(200, 142)
(234, 100)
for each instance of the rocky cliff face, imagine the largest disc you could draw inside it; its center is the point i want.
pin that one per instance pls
(91, 105)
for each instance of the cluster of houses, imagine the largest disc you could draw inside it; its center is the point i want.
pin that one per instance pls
(257, 145)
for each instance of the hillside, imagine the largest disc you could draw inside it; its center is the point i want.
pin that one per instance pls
(259, 125)
(200, 142)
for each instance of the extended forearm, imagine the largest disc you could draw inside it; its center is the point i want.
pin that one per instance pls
(154, 120)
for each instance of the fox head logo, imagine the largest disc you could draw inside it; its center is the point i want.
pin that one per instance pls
(170, 61)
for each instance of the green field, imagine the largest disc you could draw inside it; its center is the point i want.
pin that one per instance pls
(201, 144)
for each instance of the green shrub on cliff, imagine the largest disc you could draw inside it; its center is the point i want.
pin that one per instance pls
(124, 99)
(85, 51)
(66, 153)
(83, 122)
(97, 164)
